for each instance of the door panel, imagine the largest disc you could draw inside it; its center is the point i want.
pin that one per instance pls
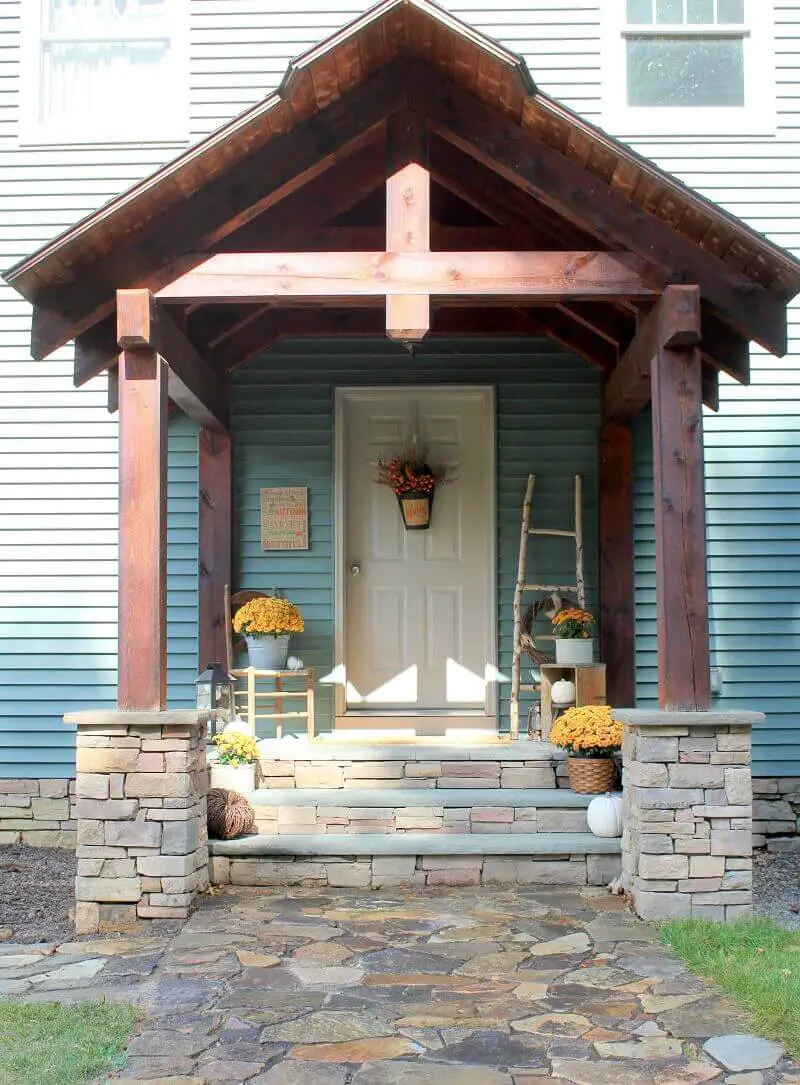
(417, 623)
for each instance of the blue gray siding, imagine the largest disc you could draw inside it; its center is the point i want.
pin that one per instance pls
(58, 619)
(547, 409)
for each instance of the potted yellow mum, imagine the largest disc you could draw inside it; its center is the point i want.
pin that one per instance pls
(236, 768)
(573, 628)
(267, 623)
(590, 735)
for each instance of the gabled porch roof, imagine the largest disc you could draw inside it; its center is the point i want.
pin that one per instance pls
(301, 168)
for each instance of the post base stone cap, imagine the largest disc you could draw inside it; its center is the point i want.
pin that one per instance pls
(174, 717)
(643, 717)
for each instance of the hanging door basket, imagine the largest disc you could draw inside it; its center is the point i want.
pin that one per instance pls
(416, 510)
(590, 775)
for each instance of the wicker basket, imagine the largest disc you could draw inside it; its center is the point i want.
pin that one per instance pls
(590, 775)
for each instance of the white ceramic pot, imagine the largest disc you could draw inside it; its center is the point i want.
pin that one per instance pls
(574, 651)
(240, 778)
(268, 653)
(604, 815)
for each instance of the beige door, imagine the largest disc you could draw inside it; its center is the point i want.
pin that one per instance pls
(418, 604)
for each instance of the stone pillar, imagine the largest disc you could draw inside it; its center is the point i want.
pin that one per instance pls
(141, 793)
(688, 807)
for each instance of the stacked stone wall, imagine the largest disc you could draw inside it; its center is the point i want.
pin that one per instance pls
(776, 813)
(687, 838)
(142, 841)
(349, 820)
(380, 872)
(40, 813)
(414, 774)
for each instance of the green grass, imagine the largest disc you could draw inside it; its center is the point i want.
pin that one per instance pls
(45, 1043)
(755, 961)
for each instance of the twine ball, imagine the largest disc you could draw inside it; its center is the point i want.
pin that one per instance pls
(229, 814)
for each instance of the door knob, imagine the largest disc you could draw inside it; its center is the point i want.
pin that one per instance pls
(355, 568)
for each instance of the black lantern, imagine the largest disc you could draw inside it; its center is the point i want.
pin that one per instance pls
(215, 694)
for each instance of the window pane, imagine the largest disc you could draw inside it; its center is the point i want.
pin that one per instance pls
(640, 11)
(685, 72)
(730, 11)
(669, 11)
(699, 11)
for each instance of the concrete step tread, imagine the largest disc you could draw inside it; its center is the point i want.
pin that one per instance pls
(412, 843)
(298, 749)
(545, 797)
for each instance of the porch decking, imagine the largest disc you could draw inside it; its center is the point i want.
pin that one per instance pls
(420, 813)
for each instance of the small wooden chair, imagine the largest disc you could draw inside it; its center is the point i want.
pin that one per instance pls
(247, 697)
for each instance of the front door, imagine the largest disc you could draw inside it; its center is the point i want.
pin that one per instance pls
(418, 635)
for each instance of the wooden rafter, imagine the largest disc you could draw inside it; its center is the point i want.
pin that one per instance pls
(193, 385)
(546, 276)
(580, 197)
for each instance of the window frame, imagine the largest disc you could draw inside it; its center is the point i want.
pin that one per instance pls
(756, 117)
(130, 128)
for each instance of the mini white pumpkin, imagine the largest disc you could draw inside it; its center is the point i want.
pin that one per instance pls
(563, 692)
(604, 815)
(294, 663)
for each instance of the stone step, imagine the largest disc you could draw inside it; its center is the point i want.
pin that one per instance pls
(435, 749)
(371, 844)
(459, 798)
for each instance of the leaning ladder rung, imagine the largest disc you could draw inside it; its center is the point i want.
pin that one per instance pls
(551, 531)
(550, 587)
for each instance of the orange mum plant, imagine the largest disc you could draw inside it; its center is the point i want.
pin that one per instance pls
(268, 617)
(573, 623)
(590, 731)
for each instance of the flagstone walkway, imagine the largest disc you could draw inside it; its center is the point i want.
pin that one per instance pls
(453, 987)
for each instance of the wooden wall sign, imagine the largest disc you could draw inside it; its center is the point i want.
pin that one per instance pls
(284, 518)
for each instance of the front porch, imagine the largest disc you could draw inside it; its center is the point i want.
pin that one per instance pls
(409, 182)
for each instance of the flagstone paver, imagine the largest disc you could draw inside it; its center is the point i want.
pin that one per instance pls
(467, 986)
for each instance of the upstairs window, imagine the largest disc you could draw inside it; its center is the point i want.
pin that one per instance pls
(681, 67)
(105, 71)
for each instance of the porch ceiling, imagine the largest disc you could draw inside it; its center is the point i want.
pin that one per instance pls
(305, 169)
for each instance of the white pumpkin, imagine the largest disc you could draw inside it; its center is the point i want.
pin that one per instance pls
(604, 815)
(563, 692)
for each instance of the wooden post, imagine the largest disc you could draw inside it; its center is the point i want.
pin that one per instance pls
(617, 616)
(681, 582)
(142, 530)
(408, 217)
(215, 544)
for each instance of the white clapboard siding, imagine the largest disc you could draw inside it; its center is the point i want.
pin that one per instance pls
(58, 446)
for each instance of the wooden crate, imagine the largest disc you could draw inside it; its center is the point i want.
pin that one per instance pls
(590, 688)
(258, 690)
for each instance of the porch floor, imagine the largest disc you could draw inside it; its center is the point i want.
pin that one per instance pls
(445, 987)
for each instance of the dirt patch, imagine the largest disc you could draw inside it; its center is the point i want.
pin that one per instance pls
(37, 892)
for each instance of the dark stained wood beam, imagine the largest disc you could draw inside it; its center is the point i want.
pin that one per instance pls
(673, 322)
(684, 672)
(586, 200)
(408, 217)
(322, 199)
(215, 544)
(95, 350)
(204, 217)
(575, 337)
(113, 389)
(193, 384)
(546, 276)
(725, 348)
(534, 224)
(142, 530)
(617, 614)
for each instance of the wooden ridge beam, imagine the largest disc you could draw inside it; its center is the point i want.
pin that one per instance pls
(590, 203)
(203, 218)
(673, 322)
(547, 276)
(193, 385)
